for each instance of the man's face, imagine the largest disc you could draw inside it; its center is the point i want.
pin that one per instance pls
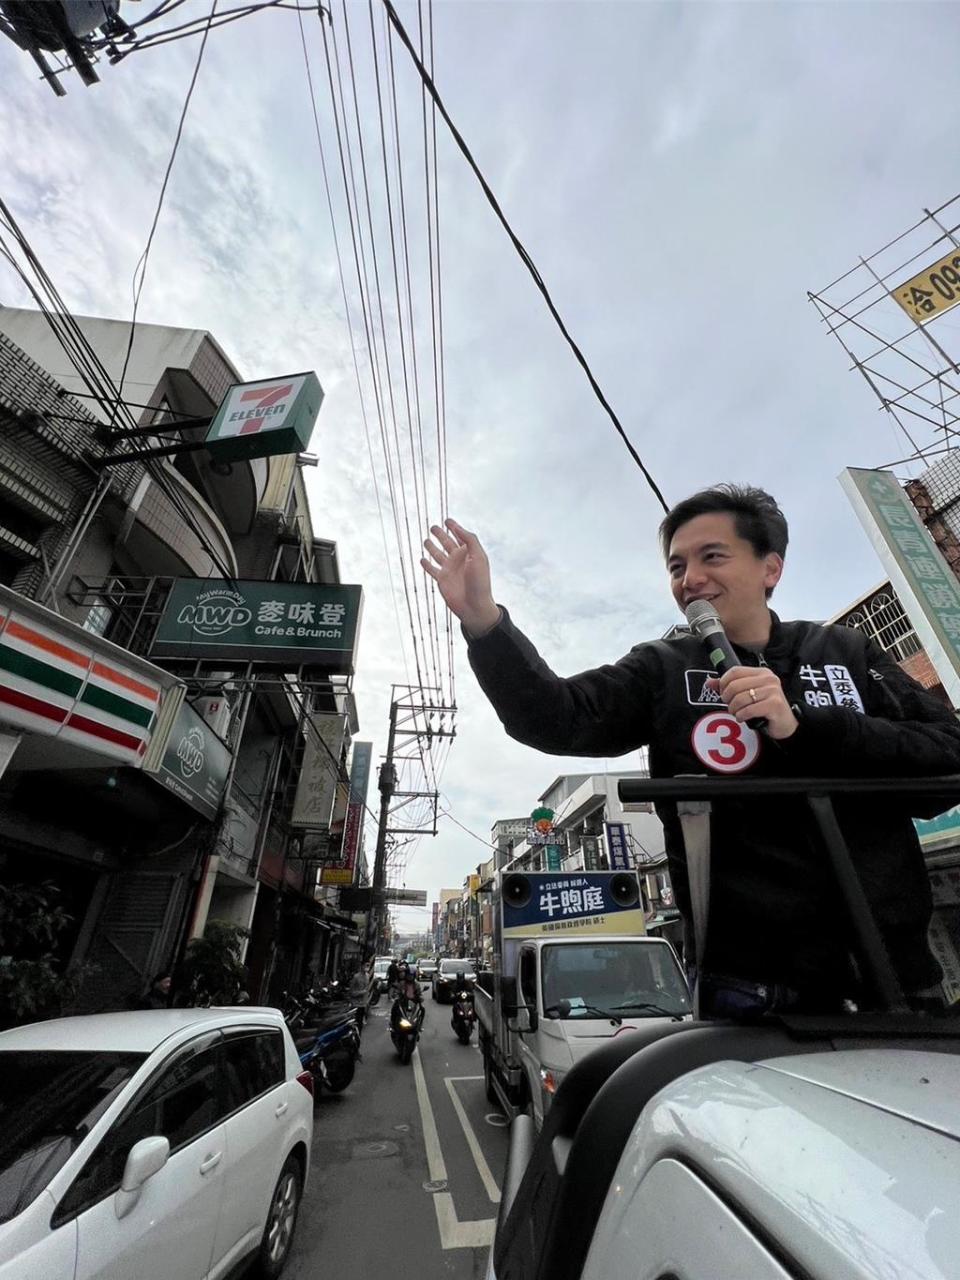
(708, 560)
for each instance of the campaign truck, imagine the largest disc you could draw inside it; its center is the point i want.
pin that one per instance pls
(572, 969)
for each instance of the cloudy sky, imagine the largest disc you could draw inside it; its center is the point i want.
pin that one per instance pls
(681, 173)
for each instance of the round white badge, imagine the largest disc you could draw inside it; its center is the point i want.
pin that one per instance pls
(722, 743)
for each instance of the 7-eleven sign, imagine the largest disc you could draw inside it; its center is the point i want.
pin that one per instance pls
(267, 418)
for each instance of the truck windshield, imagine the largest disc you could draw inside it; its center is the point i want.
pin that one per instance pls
(639, 979)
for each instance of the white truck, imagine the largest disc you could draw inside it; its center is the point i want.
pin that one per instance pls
(572, 970)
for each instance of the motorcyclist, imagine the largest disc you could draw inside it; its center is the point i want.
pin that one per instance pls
(409, 997)
(393, 977)
(462, 993)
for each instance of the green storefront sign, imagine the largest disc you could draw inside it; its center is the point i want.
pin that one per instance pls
(916, 567)
(286, 624)
(265, 419)
(196, 763)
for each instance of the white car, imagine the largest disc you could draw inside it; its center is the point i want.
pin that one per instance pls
(156, 1145)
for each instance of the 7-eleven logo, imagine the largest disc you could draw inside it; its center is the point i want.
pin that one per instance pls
(254, 404)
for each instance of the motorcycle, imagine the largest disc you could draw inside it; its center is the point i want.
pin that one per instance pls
(328, 1048)
(406, 1019)
(464, 1015)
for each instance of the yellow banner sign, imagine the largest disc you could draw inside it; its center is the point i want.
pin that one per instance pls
(336, 875)
(935, 290)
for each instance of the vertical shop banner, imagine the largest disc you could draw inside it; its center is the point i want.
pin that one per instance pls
(591, 853)
(554, 855)
(921, 577)
(343, 872)
(618, 848)
(317, 784)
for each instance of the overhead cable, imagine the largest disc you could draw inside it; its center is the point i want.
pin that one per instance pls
(521, 250)
(141, 266)
(353, 347)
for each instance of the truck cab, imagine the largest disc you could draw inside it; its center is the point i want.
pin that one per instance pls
(577, 994)
(553, 997)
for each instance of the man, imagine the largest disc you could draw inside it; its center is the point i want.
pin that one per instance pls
(409, 997)
(835, 706)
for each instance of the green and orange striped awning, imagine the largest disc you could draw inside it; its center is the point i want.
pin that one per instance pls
(53, 683)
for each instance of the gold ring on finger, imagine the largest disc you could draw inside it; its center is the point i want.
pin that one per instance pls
(753, 695)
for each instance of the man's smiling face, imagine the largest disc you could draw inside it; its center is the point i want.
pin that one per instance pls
(708, 560)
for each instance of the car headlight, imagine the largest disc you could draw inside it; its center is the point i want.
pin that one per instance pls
(550, 1079)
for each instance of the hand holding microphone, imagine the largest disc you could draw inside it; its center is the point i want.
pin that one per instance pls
(753, 695)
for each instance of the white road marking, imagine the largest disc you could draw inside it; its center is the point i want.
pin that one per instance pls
(431, 1139)
(493, 1191)
(453, 1233)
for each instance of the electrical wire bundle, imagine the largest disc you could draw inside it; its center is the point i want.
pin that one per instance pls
(400, 389)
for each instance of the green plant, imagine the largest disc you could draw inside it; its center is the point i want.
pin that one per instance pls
(33, 983)
(212, 971)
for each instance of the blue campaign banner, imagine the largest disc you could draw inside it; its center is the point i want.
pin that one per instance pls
(618, 847)
(575, 901)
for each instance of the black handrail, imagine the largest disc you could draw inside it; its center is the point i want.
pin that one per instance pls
(817, 792)
(711, 787)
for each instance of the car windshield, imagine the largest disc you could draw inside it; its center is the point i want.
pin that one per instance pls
(456, 966)
(633, 978)
(380, 968)
(49, 1102)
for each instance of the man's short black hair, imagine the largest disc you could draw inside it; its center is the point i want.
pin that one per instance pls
(757, 517)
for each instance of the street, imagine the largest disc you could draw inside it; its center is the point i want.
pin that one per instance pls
(407, 1163)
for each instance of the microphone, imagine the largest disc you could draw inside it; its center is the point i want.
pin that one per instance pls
(706, 626)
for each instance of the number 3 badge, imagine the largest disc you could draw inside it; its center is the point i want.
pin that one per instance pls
(722, 743)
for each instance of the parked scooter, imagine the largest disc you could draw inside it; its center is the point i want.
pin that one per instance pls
(464, 1015)
(328, 1041)
(330, 1053)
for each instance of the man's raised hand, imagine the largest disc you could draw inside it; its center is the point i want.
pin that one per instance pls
(458, 565)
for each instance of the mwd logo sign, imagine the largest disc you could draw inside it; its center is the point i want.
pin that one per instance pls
(190, 752)
(215, 613)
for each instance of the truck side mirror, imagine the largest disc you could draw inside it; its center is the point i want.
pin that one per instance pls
(527, 1019)
(508, 996)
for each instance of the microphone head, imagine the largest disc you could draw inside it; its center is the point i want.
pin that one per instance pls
(702, 617)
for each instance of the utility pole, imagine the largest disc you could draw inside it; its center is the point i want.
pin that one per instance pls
(387, 783)
(411, 717)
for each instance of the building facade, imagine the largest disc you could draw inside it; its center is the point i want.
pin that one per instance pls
(144, 857)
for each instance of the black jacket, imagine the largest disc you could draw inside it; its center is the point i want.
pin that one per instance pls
(774, 910)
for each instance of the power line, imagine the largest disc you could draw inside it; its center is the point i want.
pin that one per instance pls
(431, 601)
(383, 328)
(442, 418)
(141, 266)
(521, 250)
(356, 238)
(353, 345)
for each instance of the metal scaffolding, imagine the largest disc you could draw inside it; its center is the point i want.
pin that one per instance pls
(893, 315)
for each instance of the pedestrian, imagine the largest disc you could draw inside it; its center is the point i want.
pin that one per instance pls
(157, 994)
(835, 705)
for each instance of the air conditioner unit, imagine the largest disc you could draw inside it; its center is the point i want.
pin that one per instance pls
(216, 711)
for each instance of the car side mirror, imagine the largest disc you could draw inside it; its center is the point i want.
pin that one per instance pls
(145, 1158)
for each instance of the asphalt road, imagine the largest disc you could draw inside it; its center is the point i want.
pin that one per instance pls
(407, 1164)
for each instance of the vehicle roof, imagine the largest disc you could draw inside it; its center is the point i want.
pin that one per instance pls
(135, 1031)
(850, 1160)
(922, 1087)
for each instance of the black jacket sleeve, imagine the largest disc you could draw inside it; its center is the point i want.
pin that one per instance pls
(905, 733)
(604, 712)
